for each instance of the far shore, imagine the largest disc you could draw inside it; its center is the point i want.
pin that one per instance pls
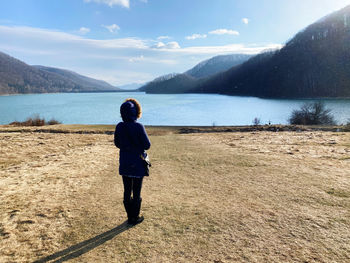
(109, 129)
(231, 95)
(97, 91)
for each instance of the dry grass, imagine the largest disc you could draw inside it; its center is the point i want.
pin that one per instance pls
(35, 121)
(216, 197)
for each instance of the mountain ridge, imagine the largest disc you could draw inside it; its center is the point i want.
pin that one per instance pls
(182, 82)
(17, 77)
(315, 63)
(216, 64)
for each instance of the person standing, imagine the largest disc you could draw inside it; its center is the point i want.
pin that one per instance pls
(132, 140)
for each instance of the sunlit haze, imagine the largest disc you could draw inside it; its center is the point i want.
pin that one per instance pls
(134, 41)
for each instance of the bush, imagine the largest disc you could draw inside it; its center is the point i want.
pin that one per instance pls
(35, 121)
(312, 114)
(53, 122)
(347, 126)
(256, 121)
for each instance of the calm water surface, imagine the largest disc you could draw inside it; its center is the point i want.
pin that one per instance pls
(179, 109)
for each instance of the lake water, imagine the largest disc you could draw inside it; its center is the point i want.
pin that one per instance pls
(179, 109)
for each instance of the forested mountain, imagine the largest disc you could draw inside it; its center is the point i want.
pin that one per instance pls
(216, 64)
(179, 83)
(79, 79)
(16, 77)
(315, 63)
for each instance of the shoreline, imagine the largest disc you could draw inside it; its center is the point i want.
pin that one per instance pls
(109, 129)
(99, 91)
(137, 91)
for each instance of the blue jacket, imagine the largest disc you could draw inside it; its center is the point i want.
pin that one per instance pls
(132, 140)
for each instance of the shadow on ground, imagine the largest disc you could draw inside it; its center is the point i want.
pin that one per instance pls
(85, 246)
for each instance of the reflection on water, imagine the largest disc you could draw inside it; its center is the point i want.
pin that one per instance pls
(178, 109)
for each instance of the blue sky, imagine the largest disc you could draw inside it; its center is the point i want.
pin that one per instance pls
(134, 41)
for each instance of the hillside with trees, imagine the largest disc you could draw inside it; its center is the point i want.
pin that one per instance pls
(181, 83)
(216, 64)
(314, 64)
(16, 77)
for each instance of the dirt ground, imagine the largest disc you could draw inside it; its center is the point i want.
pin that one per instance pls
(211, 197)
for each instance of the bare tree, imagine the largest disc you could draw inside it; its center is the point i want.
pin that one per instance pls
(256, 121)
(312, 114)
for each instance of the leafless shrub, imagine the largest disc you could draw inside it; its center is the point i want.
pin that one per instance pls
(53, 122)
(347, 126)
(35, 121)
(312, 114)
(256, 121)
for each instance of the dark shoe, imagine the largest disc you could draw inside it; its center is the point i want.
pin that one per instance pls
(128, 208)
(134, 218)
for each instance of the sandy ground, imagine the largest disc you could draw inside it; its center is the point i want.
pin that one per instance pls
(218, 197)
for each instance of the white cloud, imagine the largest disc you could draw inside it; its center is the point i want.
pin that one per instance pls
(137, 59)
(224, 32)
(173, 45)
(169, 45)
(230, 49)
(195, 36)
(38, 35)
(150, 60)
(109, 59)
(84, 30)
(163, 37)
(245, 21)
(158, 45)
(120, 77)
(112, 28)
(111, 3)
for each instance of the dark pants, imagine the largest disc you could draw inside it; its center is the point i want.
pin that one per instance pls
(133, 185)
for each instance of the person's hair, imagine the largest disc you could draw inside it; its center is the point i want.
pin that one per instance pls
(137, 105)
